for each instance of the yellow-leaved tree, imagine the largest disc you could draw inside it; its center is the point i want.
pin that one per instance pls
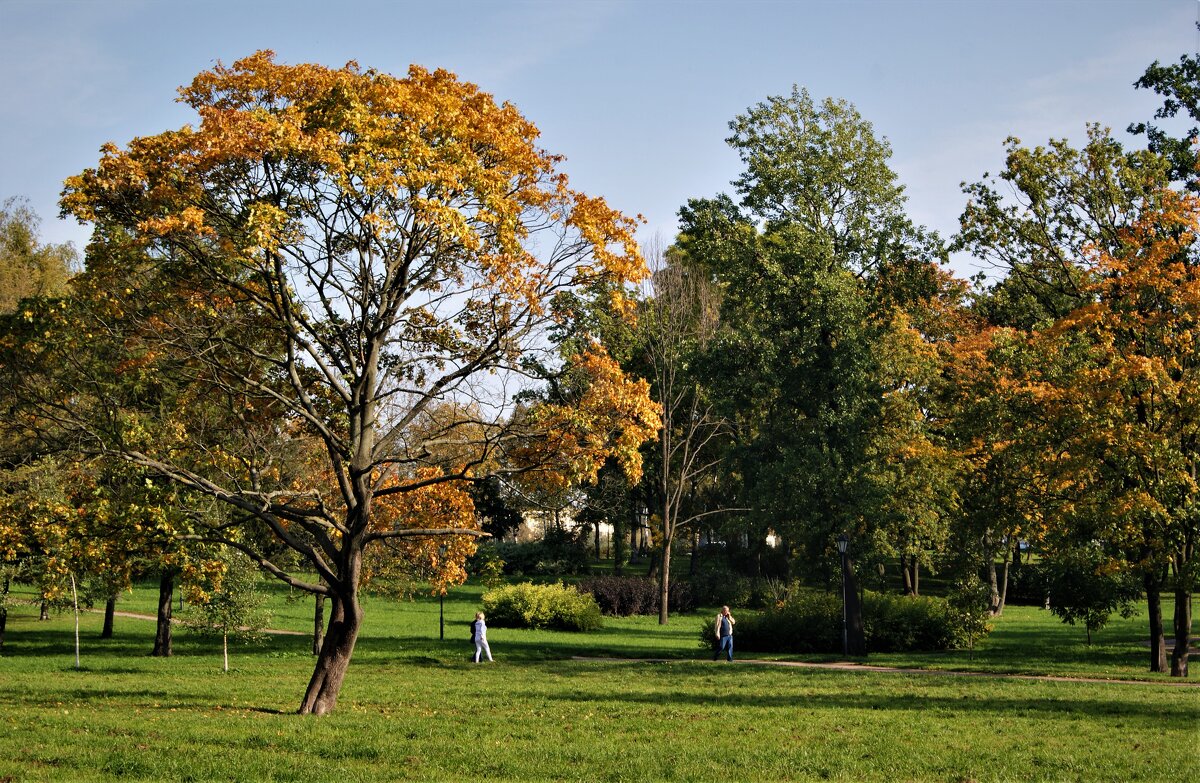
(347, 252)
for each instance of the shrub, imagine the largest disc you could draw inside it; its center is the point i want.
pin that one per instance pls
(527, 605)
(810, 621)
(713, 585)
(626, 595)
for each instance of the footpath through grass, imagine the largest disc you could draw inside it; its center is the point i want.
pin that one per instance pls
(413, 708)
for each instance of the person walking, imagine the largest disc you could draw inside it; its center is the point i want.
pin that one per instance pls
(723, 630)
(480, 637)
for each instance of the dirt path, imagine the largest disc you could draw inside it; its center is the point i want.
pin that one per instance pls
(152, 618)
(862, 667)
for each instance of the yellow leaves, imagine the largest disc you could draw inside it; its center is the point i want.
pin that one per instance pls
(423, 501)
(613, 417)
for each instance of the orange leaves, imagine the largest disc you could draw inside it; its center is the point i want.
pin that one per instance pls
(422, 506)
(612, 417)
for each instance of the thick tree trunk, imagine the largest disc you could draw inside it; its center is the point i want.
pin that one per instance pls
(110, 609)
(1158, 645)
(345, 620)
(318, 624)
(994, 607)
(1183, 633)
(162, 635)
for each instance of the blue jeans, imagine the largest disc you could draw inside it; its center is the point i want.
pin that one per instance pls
(725, 646)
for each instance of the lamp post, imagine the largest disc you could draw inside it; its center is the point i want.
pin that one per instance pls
(842, 544)
(441, 599)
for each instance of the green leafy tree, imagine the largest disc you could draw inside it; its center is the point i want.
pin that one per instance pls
(822, 361)
(1087, 585)
(226, 601)
(29, 268)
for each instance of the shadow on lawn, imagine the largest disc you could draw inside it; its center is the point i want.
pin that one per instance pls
(1186, 713)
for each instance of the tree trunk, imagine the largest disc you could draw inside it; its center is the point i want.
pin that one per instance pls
(1003, 588)
(225, 649)
(695, 536)
(1158, 645)
(44, 614)
(916, 576)
(318, 624)
(162, 635)
(345, 620)
(905, 580)
(994, 585)
(856, 641)
(664, 582)
(3, 611)
(1183, 633)
(110, 609)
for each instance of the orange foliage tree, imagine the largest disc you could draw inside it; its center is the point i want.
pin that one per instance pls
(1129, 409)
(349, 250)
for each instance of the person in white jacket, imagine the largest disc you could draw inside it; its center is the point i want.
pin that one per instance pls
(723, 632)
(480, 635)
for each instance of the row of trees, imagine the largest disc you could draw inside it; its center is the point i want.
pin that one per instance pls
(348, 316)
(821, 374)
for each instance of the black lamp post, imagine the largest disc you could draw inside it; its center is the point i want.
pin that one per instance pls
(441, 599)
(843, 544)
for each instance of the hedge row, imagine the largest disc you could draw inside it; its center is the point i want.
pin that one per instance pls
(811, 622)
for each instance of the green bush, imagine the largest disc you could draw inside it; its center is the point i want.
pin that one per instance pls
(810, 621)
(527, 605)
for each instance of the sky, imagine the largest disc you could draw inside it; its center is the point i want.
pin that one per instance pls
(636, 94)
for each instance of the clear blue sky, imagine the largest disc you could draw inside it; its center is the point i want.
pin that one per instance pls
(636, 94)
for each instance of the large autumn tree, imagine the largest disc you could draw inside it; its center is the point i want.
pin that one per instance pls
(351, 250)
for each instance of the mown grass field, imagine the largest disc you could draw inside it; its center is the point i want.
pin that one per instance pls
(413, 708)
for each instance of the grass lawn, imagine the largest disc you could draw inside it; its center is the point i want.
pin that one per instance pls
(413, 708)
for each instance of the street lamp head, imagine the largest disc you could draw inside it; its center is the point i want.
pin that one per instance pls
(842, 543)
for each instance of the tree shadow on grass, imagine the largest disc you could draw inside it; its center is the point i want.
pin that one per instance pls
(1152, 714)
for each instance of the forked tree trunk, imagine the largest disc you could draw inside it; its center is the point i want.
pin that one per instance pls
(162, 635)
(345, 619)
(110, 609)
(1183, 633)
(1158, 645)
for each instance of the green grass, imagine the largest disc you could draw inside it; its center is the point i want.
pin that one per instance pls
(413, 708)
